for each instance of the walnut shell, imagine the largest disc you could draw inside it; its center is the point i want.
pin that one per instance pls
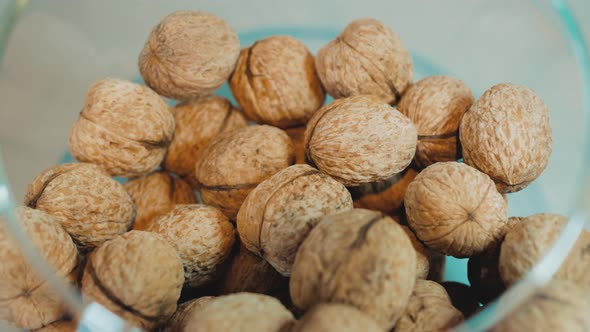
(177, 322)
(188, 55)
(279, 213)
(422, 254)
(297, 135)
(27, 300)
(59, 326)
(89, 204)
(507, 135)
(276, 83)
(197, 122)
(137, 276)
(455, 209)
(234, 163)
(203, 237)
(366, 58)
(123, 127)
(437, 264)
(334, 317)
(361, 258)
(429, 309)
(155, 195)
(436, 105)
(359, 140)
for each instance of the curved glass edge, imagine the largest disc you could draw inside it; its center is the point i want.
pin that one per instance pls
(10, 10)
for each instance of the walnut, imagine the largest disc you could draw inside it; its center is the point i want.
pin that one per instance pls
(137, 276)
(359, 140)
(27, 300)
(89, 204)
(334, 317)
(234, 163)
(276, 83)
(462, 297)
(279, 213)
(455, 209)
(436, 105)
(123, 127)
(59, 326)
(507, 135)
(189, 55)
(177, 322)
(436, 263)
(203, 237)
(297, 135)
(366, 58)
(422, 254)
(361, 258)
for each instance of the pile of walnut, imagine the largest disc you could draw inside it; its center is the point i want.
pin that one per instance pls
(331, 217)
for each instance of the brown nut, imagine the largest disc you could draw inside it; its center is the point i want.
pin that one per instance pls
(177, 323)
(507, 135)
(27, 300)
(348, 258)
(155, 195)
(189, 55)
(89, 204)
(422, 254)
(137, 276)
(59, 326)
(359, 140)
(455, 209)
(437, 264)
(297, 135)
(462, 297)
(429, 309)
(123, 127)
(234, 163)
(203, 237)
(276, 83)
(279, 213)
(366, 58)
(436, 105)
(334, 317)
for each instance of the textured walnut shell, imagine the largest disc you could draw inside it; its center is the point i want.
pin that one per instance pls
(241, 312)
(334, 317)
(366, 58)
(234, 163)
(297, 135)
(361, 258)
(436, 105)
(359, 140)
(462, 297)
(429, 309)
(507, 135)
(137, 276)
(276, 83)
(455, 209)
(89, 204)
(59, 326)
(177, 323)
(155, 195)
(123, 127)
(188, 55)
(279, 213)
(422, 254)
(203, 237)
(27, 300)
(197, 122)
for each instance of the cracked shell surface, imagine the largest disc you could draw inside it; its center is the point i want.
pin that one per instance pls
(360, 258)
(436, 105)
(177, 323)
(276, 83)
(60, 326)
(123, 127)
(234, 163)
(281, 211)
(203, 237)
(335, 317)
(87, 202)
(366, 58)
(359, 140)
(27, 300)
(422, 254)
(297, 134)
(455, 209)
(189, 54)
(507, 135)
(137, 276)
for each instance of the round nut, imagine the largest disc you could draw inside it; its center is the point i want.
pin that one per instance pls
(123, 127)
(27, 300)
(89, 204)
(297, 135)
(137, 276)
(279, 213)
(455, 209)
(436, 263)
(276, 83)
(507, 135)
(366, 58)
(189, 55)
(203, 237)
(177, 323)
(333, 317)
(436, 105)
(59, 326)
(422, 254)
(359, 140)
(347, 258)
(234, 163)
